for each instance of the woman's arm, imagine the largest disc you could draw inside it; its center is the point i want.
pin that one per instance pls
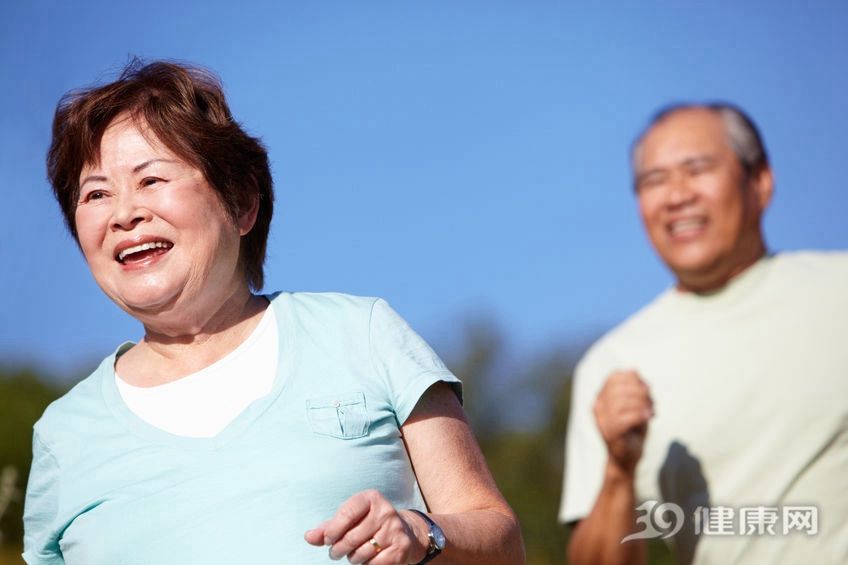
(461, 494)
(41, 546)
(464, 501)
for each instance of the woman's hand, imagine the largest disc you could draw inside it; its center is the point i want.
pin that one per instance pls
(460, 493)
(367, 528)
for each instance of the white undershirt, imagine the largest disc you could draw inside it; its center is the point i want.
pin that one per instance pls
(202, 404)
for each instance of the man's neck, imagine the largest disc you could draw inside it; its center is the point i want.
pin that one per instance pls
(715, 281)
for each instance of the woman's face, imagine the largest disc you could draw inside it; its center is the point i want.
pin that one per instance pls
(154, 233)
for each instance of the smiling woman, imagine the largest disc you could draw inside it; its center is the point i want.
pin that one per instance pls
(242, 428)
(153, 231)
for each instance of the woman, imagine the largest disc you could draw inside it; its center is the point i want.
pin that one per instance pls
(241, 428)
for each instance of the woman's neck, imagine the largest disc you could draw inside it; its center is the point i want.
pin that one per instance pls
(171, 352)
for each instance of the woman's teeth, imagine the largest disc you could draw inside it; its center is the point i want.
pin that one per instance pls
(143, 247)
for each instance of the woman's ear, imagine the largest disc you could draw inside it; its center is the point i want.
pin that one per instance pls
(247, 218)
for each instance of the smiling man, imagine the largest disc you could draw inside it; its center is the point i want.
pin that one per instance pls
(717, 416)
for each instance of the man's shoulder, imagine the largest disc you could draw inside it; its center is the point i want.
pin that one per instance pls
(642, 325)
(647, 319)
(812, 263)
(810, 276)
(819, 272)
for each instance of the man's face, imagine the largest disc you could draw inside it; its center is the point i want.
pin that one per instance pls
(701, 211)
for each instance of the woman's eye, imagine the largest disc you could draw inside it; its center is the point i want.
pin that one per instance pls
(94, 195)
(149, 181)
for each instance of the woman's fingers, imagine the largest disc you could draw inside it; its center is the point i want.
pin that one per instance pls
(371, 548)
(315, 536)
(367, 529)
(390, 545)
(358, 537)
(353, 523)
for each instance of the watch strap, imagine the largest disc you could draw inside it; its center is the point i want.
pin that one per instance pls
(433, 549)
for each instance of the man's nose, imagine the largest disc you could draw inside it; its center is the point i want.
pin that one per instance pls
(681, 192)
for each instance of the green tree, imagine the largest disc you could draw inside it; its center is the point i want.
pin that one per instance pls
(23, 398)
(526, 463)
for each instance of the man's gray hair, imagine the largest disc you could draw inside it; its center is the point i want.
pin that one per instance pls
(742, 133)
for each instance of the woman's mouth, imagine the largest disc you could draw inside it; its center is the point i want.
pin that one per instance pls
(143, 251)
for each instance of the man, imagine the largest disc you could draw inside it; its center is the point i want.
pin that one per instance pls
(725, 400)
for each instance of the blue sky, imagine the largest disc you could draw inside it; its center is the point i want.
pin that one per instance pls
(460, 159)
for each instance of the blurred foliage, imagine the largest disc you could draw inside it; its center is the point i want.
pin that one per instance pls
(527, 464)
(10, 554)
(23, 397)
(526, 460)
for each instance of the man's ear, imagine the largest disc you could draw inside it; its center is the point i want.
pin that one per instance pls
(762, 183)
(247, 218)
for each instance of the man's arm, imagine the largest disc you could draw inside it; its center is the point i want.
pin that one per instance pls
(597, 538)
(622, 411)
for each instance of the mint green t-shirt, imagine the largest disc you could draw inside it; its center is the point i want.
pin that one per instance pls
(106, 488)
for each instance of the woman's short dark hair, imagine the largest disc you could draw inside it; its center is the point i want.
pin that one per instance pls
(184, 106)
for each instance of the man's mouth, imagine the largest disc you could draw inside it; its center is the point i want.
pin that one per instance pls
(143, 251)
(686, 226)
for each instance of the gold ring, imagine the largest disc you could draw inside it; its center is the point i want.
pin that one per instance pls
(376, 545)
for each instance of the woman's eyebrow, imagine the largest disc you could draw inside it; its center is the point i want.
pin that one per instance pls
(92, 178)
(135, 169)
(141, 166)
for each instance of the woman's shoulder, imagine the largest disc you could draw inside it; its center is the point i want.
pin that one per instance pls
(324, 307)
(323, 299)
(67, 416)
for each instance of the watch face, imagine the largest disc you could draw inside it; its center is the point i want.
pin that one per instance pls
(439, 537)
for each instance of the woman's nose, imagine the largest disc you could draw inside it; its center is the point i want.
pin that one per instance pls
(128, 213)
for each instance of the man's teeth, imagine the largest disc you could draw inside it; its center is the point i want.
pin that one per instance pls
(686, 225)
(143, 247)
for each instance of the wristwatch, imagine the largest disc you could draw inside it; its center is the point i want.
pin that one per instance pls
(436, 537)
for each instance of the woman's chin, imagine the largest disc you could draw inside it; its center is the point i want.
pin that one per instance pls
(146, 301)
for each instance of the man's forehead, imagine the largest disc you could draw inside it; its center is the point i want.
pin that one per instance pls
(683, 135)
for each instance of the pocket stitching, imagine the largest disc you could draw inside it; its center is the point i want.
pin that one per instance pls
(329, 405)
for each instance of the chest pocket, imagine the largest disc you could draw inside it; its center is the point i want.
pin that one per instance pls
(342, 416)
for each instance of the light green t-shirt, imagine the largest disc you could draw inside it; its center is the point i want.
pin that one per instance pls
(750, 390)
(106, 488)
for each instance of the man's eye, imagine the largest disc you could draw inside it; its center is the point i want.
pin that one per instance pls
(651, 181)
(699, 167)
